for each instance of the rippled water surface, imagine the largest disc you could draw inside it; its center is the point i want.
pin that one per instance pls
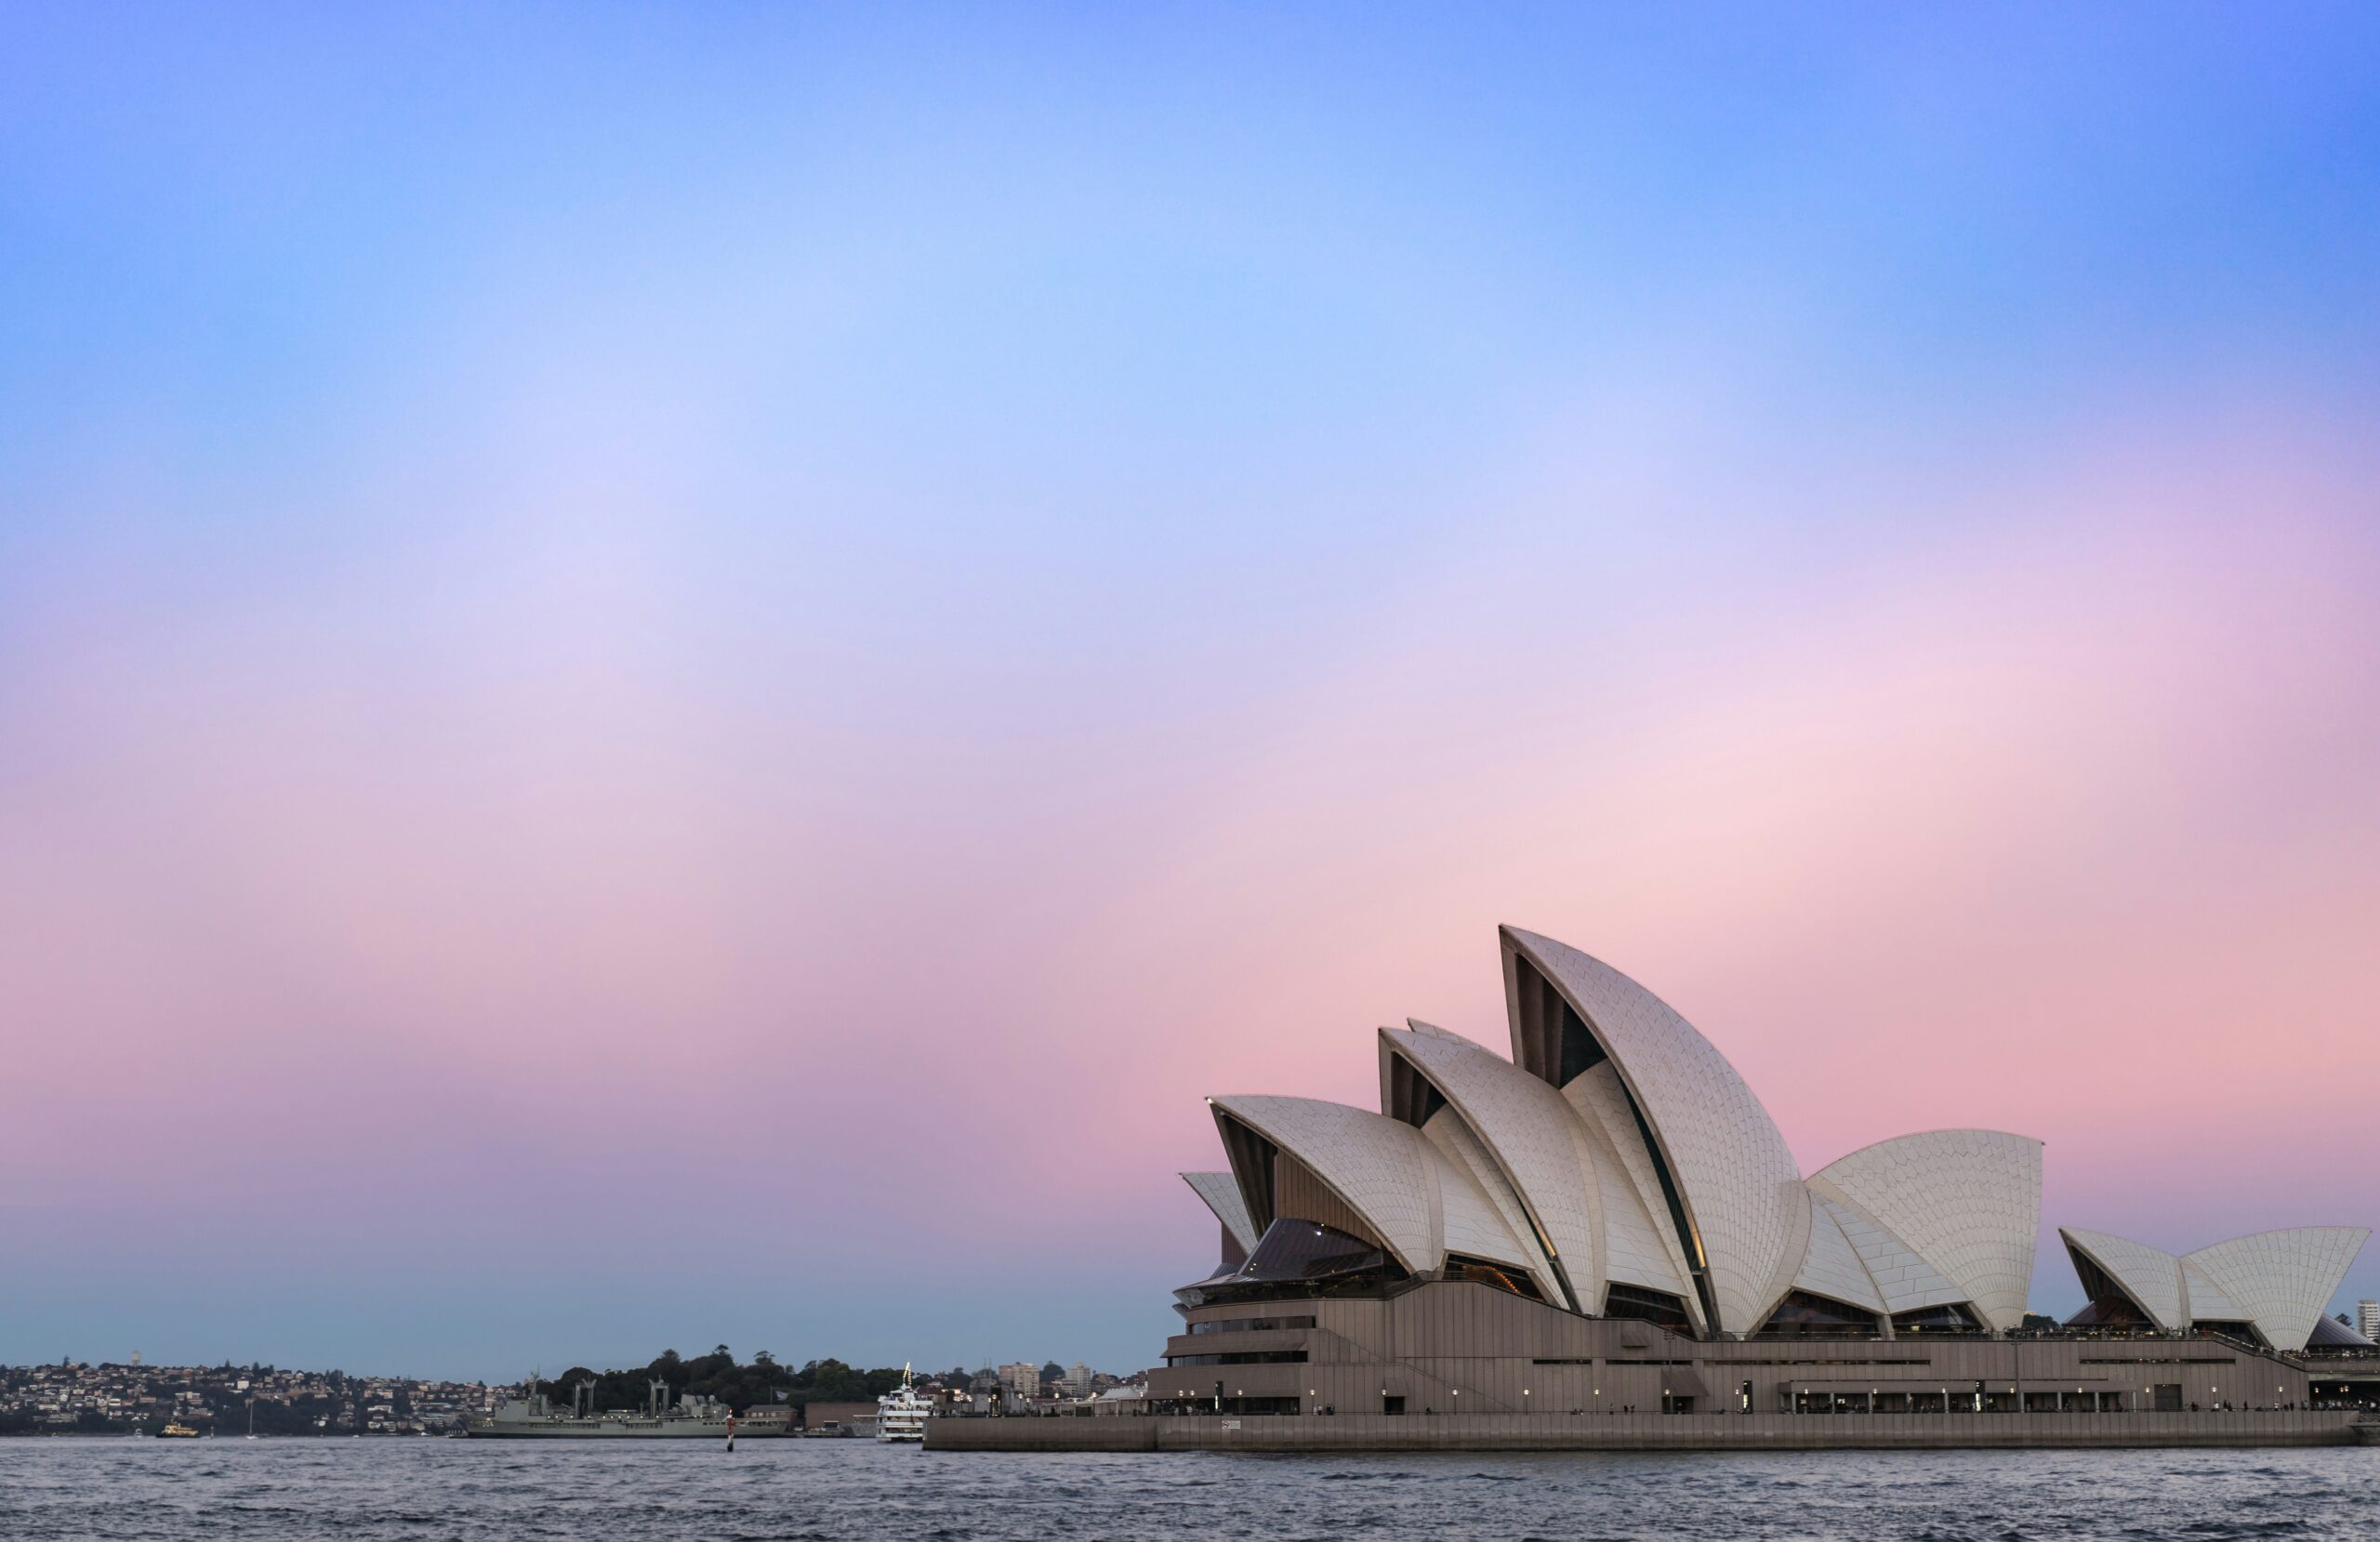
(272, 1489)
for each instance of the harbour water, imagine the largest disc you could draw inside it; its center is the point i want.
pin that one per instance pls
(52, 1490)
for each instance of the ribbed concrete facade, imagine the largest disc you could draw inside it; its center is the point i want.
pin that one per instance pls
(1445, 1347)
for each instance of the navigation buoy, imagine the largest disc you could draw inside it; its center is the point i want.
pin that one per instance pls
(731, 1431)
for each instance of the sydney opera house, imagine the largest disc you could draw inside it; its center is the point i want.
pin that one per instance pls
(1583, 1241)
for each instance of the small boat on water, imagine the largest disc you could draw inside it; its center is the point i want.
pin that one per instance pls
(901, 1413)
(177, 1430)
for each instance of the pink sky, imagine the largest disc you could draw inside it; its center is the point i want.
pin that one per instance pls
(518, 910)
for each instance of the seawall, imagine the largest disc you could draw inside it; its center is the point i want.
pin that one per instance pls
(1640, 1432)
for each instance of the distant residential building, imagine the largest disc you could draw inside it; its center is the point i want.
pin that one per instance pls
(1020, 1381)
(1078, 1379)
(2367, 1320)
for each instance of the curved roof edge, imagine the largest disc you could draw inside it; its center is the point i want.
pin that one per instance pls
(2282, 1279)
(1968, 1202)
(2149, 1277)
(2361, 1233)
(1902, 1277)
(1832, 1268)
(1388, 1175)
(1220, 1192)
(2203, 1297)
(1732, 1181)
(1640, 1241)
(1917, 1134)
(1368, 1162)
(1524, 1127)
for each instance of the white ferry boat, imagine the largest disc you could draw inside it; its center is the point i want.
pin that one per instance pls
(901, 1413)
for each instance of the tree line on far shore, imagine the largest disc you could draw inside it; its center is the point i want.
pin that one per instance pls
(718, 1375)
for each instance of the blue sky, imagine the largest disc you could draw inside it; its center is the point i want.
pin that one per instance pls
(983, 571)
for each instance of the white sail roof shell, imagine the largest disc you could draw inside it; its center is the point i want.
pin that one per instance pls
(1567, 1184)
(2151, 1276)
(1473, 1227)
(1738, 1181)
(1966, 1201)
(1831, 1267)
(1904, 1280)
(1640, 1245)
(2280, 1281)
(1221, 1192)
(1534, 1138)
(1447, 1130)
(1412, 1196)
(2203, 1299)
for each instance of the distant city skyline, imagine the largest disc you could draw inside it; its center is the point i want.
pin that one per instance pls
(681, 678)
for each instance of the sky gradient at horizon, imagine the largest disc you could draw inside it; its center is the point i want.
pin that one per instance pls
(683, 675)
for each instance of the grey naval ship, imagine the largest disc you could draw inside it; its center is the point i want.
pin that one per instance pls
(689, 1418)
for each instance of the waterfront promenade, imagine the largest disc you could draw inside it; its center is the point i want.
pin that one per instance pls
(1348, 1432)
